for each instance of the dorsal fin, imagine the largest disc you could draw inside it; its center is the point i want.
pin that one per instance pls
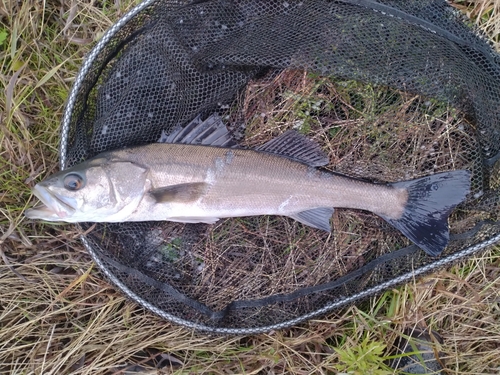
(210, 132)
(295, 146)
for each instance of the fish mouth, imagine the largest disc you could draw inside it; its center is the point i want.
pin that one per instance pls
(53, 206)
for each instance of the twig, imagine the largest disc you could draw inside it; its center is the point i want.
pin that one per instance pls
(7, 263)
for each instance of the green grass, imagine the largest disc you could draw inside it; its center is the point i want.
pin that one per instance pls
(58, 315)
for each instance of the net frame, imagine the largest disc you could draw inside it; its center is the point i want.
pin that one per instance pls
(65, 131)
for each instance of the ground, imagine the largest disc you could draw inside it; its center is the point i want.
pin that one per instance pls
(58, 315)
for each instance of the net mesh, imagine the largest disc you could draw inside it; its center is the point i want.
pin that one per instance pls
(392, 90)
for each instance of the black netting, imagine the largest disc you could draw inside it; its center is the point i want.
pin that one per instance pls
(393, 90)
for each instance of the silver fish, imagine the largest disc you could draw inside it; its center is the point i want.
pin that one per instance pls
(201, 183)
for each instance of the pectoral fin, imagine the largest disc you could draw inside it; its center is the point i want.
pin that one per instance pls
(317, 218)
(180, 193)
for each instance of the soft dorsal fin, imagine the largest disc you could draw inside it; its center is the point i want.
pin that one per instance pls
(210, 132)
(295, 146)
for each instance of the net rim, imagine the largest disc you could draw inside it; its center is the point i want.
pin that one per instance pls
(64, 134)
(447, 261)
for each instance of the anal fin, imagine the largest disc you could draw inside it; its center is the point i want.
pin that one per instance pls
(317, 218)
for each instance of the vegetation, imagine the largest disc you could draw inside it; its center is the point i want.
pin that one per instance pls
(59, 315)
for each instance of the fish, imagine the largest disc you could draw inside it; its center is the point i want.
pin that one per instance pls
(197, 174)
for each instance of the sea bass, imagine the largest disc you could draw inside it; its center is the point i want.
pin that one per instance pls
(202, 181)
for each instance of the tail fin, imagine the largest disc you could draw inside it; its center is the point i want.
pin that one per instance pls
(430, 201)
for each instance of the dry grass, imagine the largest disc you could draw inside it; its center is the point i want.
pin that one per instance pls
(486, 14)
(58, 315)
(355, 124)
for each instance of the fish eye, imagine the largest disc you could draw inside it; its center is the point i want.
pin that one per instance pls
(73, 182)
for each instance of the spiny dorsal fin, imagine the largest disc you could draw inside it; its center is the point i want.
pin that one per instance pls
(180, 193)
(211, 132)
(295, 146)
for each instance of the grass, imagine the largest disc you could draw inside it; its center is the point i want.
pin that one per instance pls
(58, 315)
(485, 14)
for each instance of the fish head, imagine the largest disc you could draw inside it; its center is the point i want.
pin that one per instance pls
(97, 190)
